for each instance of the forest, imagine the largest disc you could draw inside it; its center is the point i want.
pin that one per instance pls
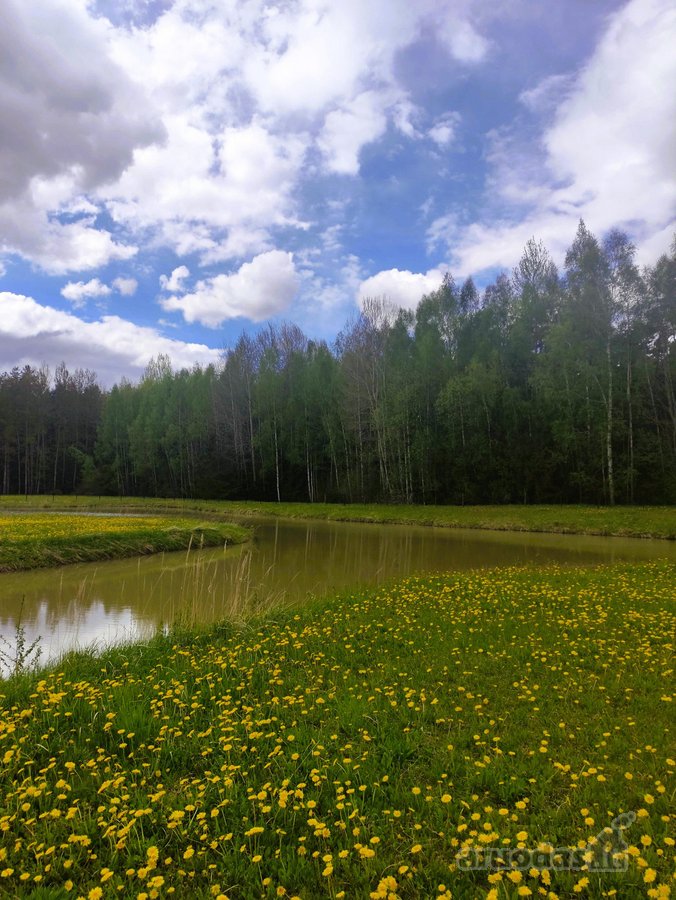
(547, 387)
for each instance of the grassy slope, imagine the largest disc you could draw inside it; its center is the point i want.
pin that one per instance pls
(36, 541)
(364, 738)
(628, 521)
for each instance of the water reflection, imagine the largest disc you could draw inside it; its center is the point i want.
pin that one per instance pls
(97, 603)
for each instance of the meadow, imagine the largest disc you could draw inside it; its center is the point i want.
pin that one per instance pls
(35, 540)
(362, 746)
(620, 521)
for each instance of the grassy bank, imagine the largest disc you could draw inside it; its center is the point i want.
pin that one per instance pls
(354, 747)
(37, 540)
(625, 521)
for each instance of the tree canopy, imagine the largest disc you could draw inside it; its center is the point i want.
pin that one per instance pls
(545, 387)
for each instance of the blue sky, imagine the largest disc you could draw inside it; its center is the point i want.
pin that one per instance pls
(175, 171)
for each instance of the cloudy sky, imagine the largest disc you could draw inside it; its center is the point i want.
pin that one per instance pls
(175, 171)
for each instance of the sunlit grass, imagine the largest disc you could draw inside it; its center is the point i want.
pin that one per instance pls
(354, 747)
(34, 540)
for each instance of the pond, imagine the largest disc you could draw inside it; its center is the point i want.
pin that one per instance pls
(286, 562)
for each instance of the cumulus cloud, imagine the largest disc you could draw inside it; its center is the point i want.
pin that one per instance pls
(78, 292)
(247, 92)
(215, 194)
(33, 334)
(258, 289)
(125, 286)
(348, 129)
(72, 121)
(69, 105)
(58, 248)
(193, 130)
(311, 58)
(401, 287)
(174, 282)
(608, 154)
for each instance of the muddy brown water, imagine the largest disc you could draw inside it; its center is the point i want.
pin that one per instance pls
(287, 561)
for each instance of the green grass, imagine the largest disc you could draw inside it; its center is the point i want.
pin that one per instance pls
(323, 750)
(38, 540)
(626, 521)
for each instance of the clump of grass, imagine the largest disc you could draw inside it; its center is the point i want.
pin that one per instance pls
(355, 747)
(234, 598)
(18, 656)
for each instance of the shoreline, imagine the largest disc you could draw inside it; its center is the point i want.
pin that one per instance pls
(640, 522)
(162, 536)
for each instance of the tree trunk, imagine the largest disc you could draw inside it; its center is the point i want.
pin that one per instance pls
(631, 433)
(609, 428)
(279, 496)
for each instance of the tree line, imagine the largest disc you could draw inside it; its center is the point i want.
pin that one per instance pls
(547, 387)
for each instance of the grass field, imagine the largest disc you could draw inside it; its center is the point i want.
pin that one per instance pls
(36, 540)
(354, 747)
(627, 521)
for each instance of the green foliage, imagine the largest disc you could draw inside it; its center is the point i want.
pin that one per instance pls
(546, 388)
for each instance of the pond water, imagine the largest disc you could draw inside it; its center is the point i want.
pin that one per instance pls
(286, 562)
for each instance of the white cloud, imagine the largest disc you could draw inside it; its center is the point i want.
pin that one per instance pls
(614, 138)
(444, 129)
(463, 40)
(75, 120)
(55, 247)
(404, 115)
(33, 334)
(326, 300)
(608, 155)
(317, 55)
(198, 185)
(174, 282)
(348, 129)
(547, 93)
(246, 91)
(185, 58)
(125, 286)
(193, 129)
(401, 287)
(78, 292)
(258, 289)
(72, 109)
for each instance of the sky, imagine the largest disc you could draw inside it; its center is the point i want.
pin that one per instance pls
(173, 172)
